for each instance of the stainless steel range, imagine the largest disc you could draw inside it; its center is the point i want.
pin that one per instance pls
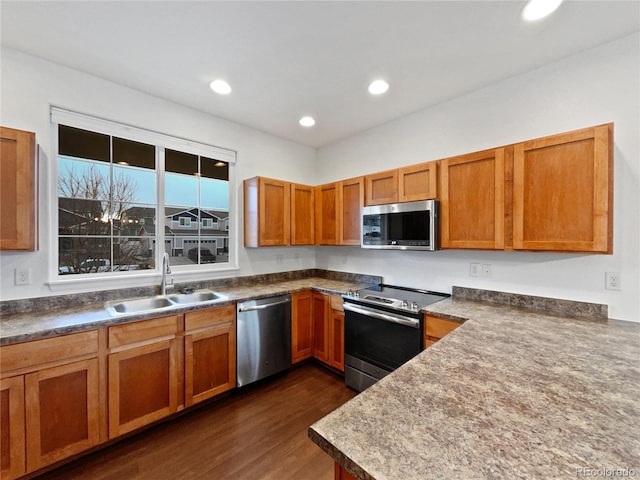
(383, 329)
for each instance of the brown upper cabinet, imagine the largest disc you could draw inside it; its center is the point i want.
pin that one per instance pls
(266, 212)
(327, 229)
(18, 195)
(302, 214)
(472, 200)
(418, 182)
(350, 201)
(549, 194)
(278, 213)
(382, 187)
(338, 212)
(406, 184)
(563, 192)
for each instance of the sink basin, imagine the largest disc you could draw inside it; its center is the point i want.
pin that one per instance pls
(163, 302)
(196, 297)
(139, 305)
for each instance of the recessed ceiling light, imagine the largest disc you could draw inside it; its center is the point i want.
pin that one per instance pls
(307, 121)
(219, 164)
(220, 86)
(537, 9)
(378, 87)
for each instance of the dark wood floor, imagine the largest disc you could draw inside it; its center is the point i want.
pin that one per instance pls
(259, 432)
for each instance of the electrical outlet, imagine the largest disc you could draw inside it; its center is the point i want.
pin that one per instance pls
(612, 281)
(474, 270)
(487, 270)
(23, 276)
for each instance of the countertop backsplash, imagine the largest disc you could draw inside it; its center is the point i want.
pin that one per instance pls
(75, 300)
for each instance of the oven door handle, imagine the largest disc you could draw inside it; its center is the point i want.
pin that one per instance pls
(387, 317)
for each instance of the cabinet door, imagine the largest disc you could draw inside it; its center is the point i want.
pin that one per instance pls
(327, 214)
(418, 182)
(563, 192)
(301, 326)
(350, 201)
(302, 214)
(437, 328)
(62, 412)
(18, 195)
(210, 362)
(142, 385)
(382, 187)
(12, 441)
(266, 212)
(336, 340)
(320, 306)
(472, 202)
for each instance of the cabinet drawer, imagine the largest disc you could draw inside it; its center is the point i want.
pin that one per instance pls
(209, 317)
(336, 303)
(439, 327)
(141, 331)
(38, 352)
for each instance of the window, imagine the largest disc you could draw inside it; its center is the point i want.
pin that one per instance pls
(197, 189)
(123, 193)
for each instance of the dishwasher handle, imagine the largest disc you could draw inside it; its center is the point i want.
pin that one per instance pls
(242, 308)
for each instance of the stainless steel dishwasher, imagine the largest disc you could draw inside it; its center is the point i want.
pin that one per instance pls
(263, 338)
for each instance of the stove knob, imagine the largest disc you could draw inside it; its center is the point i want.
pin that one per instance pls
(356, 294)
(414, 306)
(405, 304)
(349, 293)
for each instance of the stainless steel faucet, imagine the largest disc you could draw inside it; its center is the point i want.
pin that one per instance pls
(166, 268)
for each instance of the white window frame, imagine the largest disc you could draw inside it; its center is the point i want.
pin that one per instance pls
(184, 221)
(207, 223)
(161, 141)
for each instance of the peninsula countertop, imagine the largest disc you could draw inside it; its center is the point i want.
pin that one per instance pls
(48, 322)
(509, 394)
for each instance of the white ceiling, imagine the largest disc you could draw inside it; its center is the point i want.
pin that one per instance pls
(288, 59)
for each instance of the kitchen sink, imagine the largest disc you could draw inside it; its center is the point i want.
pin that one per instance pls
(163, 302)
(196, 297)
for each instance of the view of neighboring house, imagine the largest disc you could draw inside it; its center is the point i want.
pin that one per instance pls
(86, 233)
(183, 228)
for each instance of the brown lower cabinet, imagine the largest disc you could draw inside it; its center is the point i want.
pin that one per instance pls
(317, 328)
(301, 325)
(64, 395)
(341, 474)
(436, 328)
(49, 401)
(143, 374)
(209, 353)
(320, 308)
(12, 419)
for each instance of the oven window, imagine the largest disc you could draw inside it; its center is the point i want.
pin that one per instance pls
(385, 344)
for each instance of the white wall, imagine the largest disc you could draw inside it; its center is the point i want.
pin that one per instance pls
(30, 85)
(594, 87)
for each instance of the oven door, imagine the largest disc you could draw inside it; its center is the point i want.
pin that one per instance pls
(382, 339)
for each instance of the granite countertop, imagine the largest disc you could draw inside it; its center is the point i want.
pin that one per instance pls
(509, 394)
(42, 323)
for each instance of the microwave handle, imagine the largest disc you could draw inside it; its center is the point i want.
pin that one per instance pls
(387, 317)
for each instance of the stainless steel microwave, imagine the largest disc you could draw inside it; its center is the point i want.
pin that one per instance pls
(401, 226)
